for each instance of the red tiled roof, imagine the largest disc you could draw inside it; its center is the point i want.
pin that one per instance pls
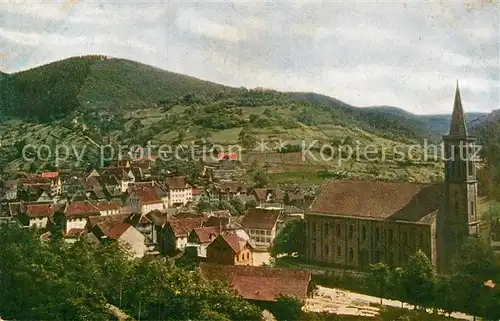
(262, 219)
(377, 199)
(117, 230)
(50, 174)
(81, 209)
(261, 194)
(111, 206)
(93, 220)
(74, 232)
(207, 234)
(231, 156)
(178, 182)
(260, 283)
(147, 195)
(39, 210)
(234, 241)
(196, 191)
(182, 227)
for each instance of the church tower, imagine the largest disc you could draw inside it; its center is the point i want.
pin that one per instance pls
(458, 218)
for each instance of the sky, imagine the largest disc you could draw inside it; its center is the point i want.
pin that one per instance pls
(365, 53)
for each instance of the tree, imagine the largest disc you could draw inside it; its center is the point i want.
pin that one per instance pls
(251, 204)
(287, 308)
(59, 281)
(260, 179)
(446, 297)
(418, 280)
(378, 279)
(238, 205)
(290, 239)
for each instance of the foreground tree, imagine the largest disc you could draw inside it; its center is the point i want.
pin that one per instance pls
(287, 308)
(379, 277)
(290, 239)
(53, 280)
(418, 281)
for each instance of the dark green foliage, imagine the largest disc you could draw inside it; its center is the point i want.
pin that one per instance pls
(417, 282)
(379, 279)
(260, 179)
(287, 308)
(56, 281)
(290, 239)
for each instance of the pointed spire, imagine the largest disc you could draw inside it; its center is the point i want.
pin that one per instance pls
(458, 124)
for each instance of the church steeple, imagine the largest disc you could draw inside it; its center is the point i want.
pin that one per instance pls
(458, 124)
(457, 219)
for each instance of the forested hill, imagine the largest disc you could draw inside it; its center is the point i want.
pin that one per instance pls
(111, 86)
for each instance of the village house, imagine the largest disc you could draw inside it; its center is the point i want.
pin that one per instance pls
(196, 195)
(73, 189)
(229, 249)
(55, 182)
(145, 199)
(106, 220)
(158, 219)
(76, 215)
(123, 176)
(227, 161)
(129, 237)
(175, 233)
(294, 197)
(357, 223)
(261, 225)
(226, 223)
(210, 195)
(261, 284)
(144, 225)
(199, 238)
(227, 190)
(93, 189)
(73, 235)
(109, 208)
(8, 190)
(180, 191)
(38, 215)
(270, 198)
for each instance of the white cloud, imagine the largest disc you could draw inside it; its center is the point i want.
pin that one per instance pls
(190, 20)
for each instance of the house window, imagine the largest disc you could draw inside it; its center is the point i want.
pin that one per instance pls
(338, 230)
(363, 233)
(472, 214)
(421, 240)
(339, 251)
(377, 235)
(325, 230)
(248, 256)
(326, 249)
(351, 231)
(351, 254)
(268, 233)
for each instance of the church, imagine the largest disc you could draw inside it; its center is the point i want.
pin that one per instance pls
(353, 223)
